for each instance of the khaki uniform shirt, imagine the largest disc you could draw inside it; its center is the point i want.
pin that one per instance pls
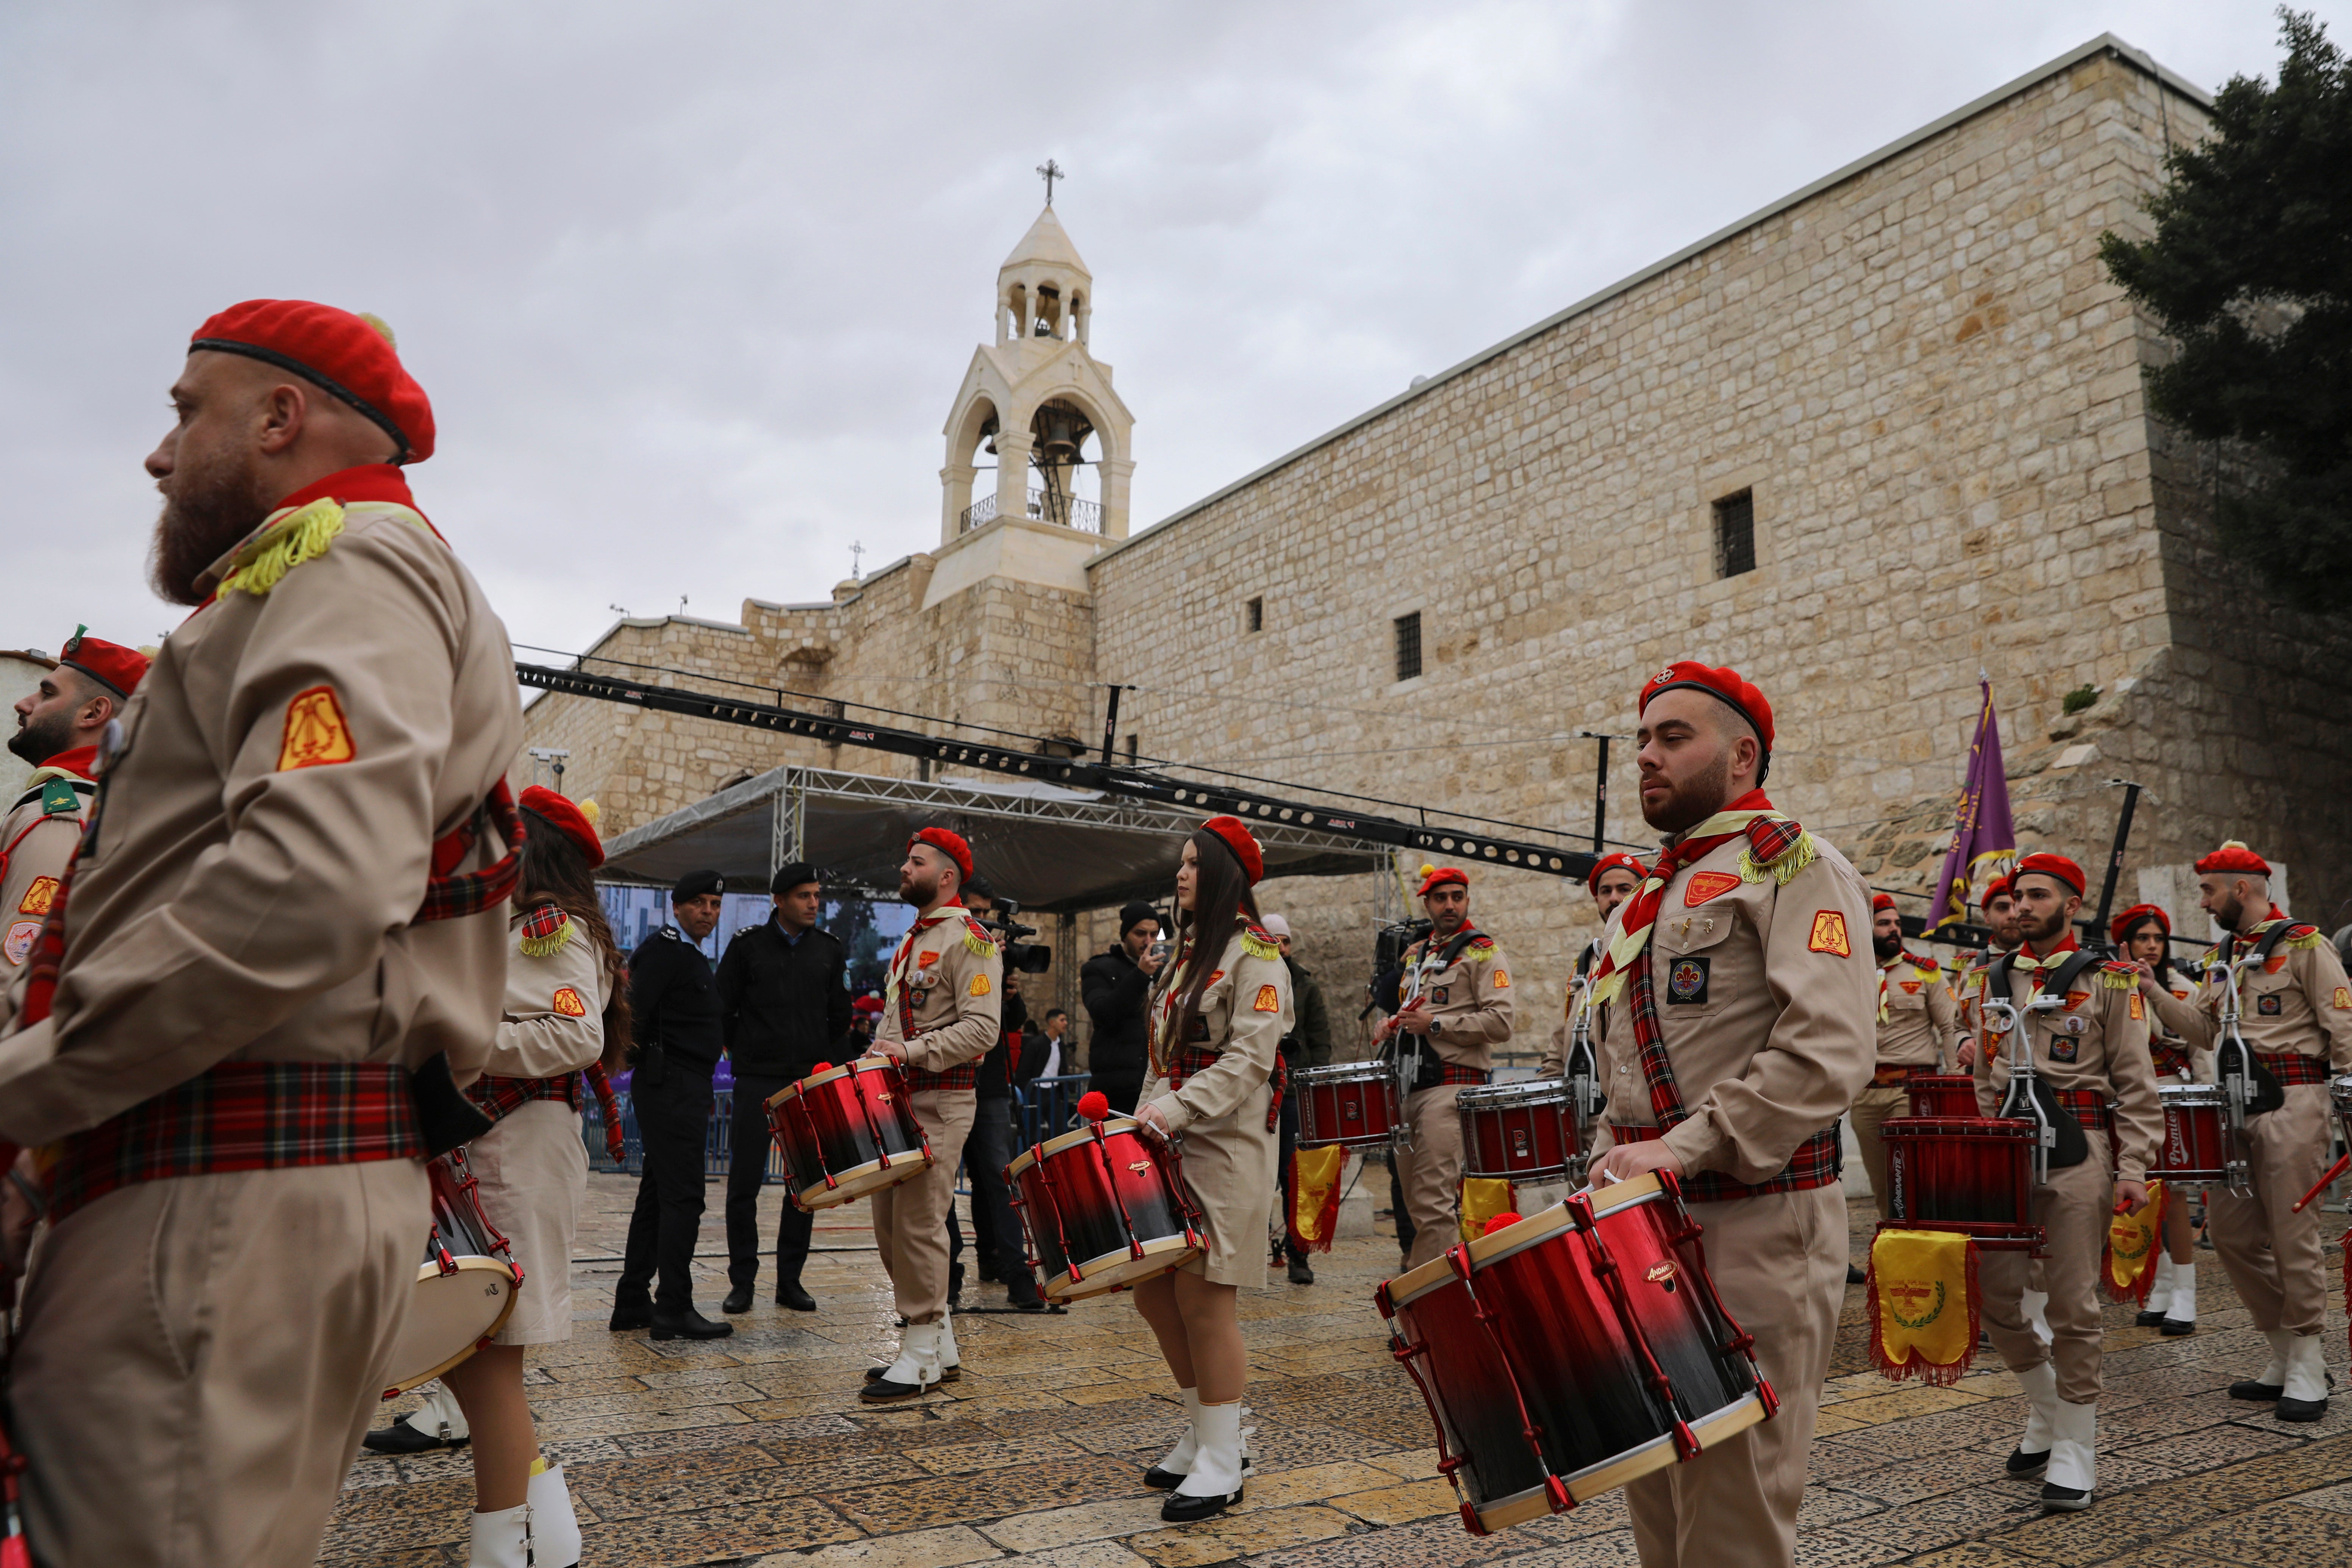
(264, 833)
(2295, 1001)
(1469, 1000)
(2095, 1040)
(1916, 1012)
(37, 838)
(554, 1022)
(1244, 1013)
(1766, 1001)
(953, 970)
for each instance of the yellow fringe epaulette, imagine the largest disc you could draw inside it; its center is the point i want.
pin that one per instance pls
(2117, 976)
(976, 940)
(1783, 868)
(1257, 944)
(1479, 947)
(546, 931)
(265, 558)
(2304, 937)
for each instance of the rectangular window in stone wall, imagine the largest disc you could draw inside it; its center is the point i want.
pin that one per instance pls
(1735, 534)
(1408, 645)
(1254, 615)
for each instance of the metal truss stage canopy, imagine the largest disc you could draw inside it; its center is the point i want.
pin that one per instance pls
(1056, 850)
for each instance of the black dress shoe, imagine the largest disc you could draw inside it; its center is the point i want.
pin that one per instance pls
(1162, 1480)
(689, 1324)
(738, 1302)
(2056, 1498)
(2173, 1328)
(2150, 1319)
(2299, 1409)
(1181, 1510)
(882, 1391)
(2021, 1463)
(2258, 1393)
(1854, 1276)
(790, 1294)
(627, 1318)
(1299, 1273)
(1021, 1293)
(947, 1374)
(402, 1438)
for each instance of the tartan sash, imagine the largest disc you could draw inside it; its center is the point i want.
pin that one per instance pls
(243, 1116)
(449, 896)
(2171, 1060)
(1192, 1062)
(2294, 1066)
(499, 1098)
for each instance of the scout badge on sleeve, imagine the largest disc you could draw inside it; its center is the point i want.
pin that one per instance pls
(1315, 1195)
(1925, 1305)
(2128, 1267)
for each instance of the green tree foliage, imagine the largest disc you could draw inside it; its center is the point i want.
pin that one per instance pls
(2250, 271)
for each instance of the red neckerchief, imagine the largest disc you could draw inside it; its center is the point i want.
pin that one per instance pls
(2229, 943)
(1642, 911)
(2025, 959)
(80, 760)
(899, 964)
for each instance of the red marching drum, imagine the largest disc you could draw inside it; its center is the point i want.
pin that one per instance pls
(1526, 1131)
(2196, 1133)
(465, 1288)
(1969, 1173)
(1573, 1352)
(1105, 1208)
(846, 1132)
(1352, 1104)
(1943, 1094)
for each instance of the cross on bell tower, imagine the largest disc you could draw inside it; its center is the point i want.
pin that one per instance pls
(1049, 171)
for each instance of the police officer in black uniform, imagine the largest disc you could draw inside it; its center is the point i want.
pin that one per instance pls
(674, 999)
(783, 993)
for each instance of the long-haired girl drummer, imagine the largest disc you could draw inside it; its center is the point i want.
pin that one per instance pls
(567, 1008)
(1217, 1014)
(2142, 933)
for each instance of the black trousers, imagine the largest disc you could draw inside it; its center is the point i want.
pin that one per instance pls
(673, 1124)
(995, 1230)
(1121, 1084)
(747, 1166)
(1289, 1145)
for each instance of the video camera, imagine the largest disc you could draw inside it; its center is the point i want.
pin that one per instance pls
(1024, 957)
(1387, 953)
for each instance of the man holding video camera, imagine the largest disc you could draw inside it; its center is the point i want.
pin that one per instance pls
(996, 1234)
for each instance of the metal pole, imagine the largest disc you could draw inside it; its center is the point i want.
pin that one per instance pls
(1110, 725)
(2114, 862)
(1600, 795)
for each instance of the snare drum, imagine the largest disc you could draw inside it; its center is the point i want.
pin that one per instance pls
(2196, 1133)
(1943, 1094)
(466, 1287)
(1522, 1130)
(1352, 1104)
(1541, 1351)
(848, 1132)
(1969, 1173)
(1105, 1208)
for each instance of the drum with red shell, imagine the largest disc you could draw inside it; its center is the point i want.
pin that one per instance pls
(2196, 1145)
(1352, 1104)
(1943, 1094)
(1105, 1208)
(1572, 1352)
(1973, 1174)
(466, 1286)
(846, 1132)
(1526, 1131)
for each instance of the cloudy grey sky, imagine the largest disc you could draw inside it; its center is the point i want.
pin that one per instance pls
(691, 285)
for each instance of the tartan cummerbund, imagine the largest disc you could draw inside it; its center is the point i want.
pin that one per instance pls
(964, 1077)
(2171, 1060)
(2088, 1107)
(1192, 1062)
(243, 1116)
(1818, 1161)
(502, 1097)
(2294, 1066)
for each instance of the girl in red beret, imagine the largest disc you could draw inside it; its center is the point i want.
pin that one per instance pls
(2142, 935)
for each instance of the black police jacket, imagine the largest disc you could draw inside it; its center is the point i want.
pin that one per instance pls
(1113, 985)
(673, 1000)
(785, 1005)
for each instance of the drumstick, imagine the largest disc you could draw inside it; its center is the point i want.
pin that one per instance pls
(2333, 1171)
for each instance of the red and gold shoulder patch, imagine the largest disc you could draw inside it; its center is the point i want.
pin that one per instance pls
(1269, 1000)
(567, 1002)
(2344, 999)
(1910, 987)
(927, 960)
(1706, 885)
(316, 735)
(1829, 933)
(1502, 980)
(39, 897)
(2139, 1012)
(1214, 975)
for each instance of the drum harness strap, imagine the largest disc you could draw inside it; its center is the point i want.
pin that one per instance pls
(2083, 1109)
(2263, 1075)
(964, 1074)
(1415, 1070)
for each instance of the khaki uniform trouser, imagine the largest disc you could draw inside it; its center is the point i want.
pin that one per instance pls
(1872, 1107)
(201, 1357)
(2074, 1210)
(2272, 1254)
(1779, 1263)
(910, 1220)
(1433, 1172)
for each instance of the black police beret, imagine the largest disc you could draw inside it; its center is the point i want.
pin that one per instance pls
(799, 874)
(694, 884)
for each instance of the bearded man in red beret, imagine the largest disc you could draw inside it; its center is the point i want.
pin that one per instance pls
(280, 950)
(1734, 1016)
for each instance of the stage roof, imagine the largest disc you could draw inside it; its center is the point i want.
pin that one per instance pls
(1055, 850)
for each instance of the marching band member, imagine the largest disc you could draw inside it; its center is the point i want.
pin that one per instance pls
(1611, 882)
(1915, 1016)
(2088, 1050)
(1461, 1013)
(2295, 1013)
(940, 1014)
(1999, 909)
(285, 951)
(1734, 1023)
(1218, 1011)
(2142, 935)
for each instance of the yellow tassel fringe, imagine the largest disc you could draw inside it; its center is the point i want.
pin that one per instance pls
(2308, 940)
(546, 946)
(1258, 946)
(2115, 981)
(978, 945)
(302, 536)
(1785, 868)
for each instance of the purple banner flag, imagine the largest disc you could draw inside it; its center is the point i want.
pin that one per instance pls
(1984, 844)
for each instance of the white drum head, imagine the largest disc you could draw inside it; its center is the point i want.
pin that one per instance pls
(449, 1317)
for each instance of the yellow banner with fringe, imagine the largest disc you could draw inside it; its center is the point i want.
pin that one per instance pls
(2128, 1270)
(1483, 1197)
(1315, 1195)
(1924, 1304)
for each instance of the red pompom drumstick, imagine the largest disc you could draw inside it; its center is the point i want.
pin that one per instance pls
(1505, 1219)
(1094, 1105)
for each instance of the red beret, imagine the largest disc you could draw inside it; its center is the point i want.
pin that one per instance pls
(867, 1003)
(353, 357)
(567, 819)
(2236, 856)
(1726, 685)
(1245, 847)
(2049, 865)
(2132, 917)
(948, 843)
(1435, 877)
(1998, 888)
(1615, 860)
(1881, 902)
(118, 668)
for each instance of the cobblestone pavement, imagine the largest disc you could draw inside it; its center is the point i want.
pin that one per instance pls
(754, 1450)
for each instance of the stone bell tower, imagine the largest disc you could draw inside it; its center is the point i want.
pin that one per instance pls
(1039, 405)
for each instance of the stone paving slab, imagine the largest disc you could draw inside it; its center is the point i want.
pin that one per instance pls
(754, 1451)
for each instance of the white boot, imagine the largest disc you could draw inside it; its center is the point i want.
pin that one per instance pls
(1177, 1463)
(2159, 1295)
(554, 1527)
(2272, 1382)
(2303, 1396)
(2041, 1386)
(950, 1359)
(501, 1539)
(2074, 1458)
(440, 1417)
(2037, 1313)
(1216, 1483)
(917, 1369)
(2180, 1312)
